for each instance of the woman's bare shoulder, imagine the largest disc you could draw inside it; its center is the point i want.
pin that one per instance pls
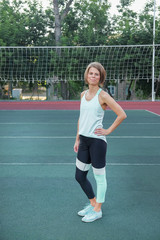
(104, 95)
(82, 93)
(106, 99)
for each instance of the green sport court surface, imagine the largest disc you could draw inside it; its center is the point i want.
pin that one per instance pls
(39, 196)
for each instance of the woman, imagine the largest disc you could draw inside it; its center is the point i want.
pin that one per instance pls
(90, 144)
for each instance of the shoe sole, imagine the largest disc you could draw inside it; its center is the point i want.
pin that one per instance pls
(80, 215)
(91, 220)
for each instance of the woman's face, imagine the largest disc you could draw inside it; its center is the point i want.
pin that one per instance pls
(93, 76)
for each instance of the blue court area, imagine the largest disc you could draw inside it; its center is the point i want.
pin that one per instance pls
(40, 197)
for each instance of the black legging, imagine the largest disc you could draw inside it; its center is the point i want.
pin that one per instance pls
(91, 151)
(81, 178)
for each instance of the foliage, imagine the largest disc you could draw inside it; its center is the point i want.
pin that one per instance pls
(86, 26)
(88, 22)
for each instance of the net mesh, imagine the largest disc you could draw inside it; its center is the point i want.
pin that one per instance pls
(69, 63)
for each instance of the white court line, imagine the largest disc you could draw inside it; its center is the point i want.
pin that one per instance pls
(134, 164)
(36, 137)
(49, 110)
(67, 137)
(23, 164)
(153, 113)
(24, 123)
(108, 164)
(21, 123)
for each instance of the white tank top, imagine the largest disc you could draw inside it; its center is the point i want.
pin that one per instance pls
(91, 116)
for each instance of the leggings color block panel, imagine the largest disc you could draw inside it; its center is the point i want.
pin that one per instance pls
(92, 151)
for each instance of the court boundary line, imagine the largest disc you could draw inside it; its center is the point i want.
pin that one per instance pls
(126, 109)
(153, 113)
(74, 164)
(62, 110)
(25, 123)
(72, 137)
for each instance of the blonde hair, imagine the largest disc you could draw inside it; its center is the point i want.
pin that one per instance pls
(101, 70)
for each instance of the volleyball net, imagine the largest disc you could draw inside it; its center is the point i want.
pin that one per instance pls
(60, 70)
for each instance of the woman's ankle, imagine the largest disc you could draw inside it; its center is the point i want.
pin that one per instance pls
(93, 202)
(97, 207)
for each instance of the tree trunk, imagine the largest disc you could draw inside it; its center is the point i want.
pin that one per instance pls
(64, 90)
(57, 23)
(129, 90)
(122, 90)
(59, 19)
(133, 96)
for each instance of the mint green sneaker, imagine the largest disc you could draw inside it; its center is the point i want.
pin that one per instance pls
(86, 210)
(92, 216)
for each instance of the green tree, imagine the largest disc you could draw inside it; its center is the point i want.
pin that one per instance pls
(124, 24)
(35, 24)
(130, 27)
(86, 23)
(12, 32)
(60, 12)
(22, 23)
(145, 28)
(89, 23)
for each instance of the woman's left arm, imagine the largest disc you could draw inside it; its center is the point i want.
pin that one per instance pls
(106, 99)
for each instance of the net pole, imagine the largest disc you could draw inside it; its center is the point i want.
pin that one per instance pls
(153, 59)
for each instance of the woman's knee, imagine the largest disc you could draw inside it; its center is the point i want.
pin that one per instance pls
(80, 176)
